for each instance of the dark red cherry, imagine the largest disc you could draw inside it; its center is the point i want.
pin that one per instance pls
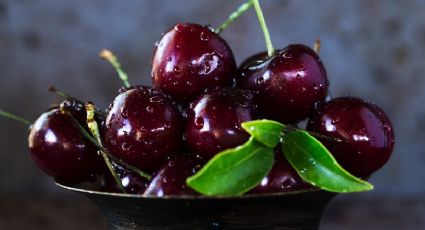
(130, 181)
(142, 127)
(288, 85)
(76, 108)
(190, 58)
(282, 178)
(214, 120)
(60, 150)
(366, 134)
(171, 177)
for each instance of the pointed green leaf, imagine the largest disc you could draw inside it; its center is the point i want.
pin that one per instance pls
(315, 164)
(265, 131)
(234, 171)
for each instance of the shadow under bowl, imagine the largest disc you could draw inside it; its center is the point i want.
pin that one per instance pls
(292, 210)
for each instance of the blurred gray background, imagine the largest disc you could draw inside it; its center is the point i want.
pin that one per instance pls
(372, 49)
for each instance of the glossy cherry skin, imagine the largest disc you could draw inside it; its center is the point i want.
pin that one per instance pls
(190, 58)
(366, 134)
(288, 85)
(142, 127)
(214, 120)
(171, 177)
(130, 181)
(281, 178)
(60, 150)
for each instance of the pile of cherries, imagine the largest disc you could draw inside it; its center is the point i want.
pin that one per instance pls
(194, 110)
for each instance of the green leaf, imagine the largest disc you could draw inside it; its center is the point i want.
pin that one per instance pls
(315, 164)
(234, 171)
(265, 131)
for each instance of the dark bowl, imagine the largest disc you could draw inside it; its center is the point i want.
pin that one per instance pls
(292, 210)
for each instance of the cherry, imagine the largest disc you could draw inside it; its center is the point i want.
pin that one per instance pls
(282, 178)
(288, 84)
(142, 127)
(171, 177)
(59, 148)
(130, 181)
(190, 58)
(77, 109)
(366, 133)
(214, 120)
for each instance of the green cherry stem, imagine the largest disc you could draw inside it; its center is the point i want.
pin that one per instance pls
(69, 97)
(111, 58)
(94, 129)
(90, 138)
(15, 117)
(269, 45)
(233, 16)
(60, 93)
(317, 45)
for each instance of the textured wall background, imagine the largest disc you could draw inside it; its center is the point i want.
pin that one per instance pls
(373, 49)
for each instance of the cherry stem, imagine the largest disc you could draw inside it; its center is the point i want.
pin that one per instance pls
(233, 16)
(269, 45)
(61, 93)
(317, 45)
(111, 58)
(67, 96)
(14, 117)
(94, 129)
(89, 137)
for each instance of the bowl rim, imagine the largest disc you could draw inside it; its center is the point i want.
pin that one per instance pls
(192, 197)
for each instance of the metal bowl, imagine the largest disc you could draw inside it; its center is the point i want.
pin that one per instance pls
(292, 210)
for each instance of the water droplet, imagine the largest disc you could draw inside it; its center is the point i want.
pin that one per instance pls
(179, 27)
(199, 123)
(125, 147)
(177, 69)
(124, 112)
(169, 59)
(204, 37)
(259, 80)
(207, 67)
(209, 63)
(149, 109)
(112, 141)
(286, 55)
(155, 99)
